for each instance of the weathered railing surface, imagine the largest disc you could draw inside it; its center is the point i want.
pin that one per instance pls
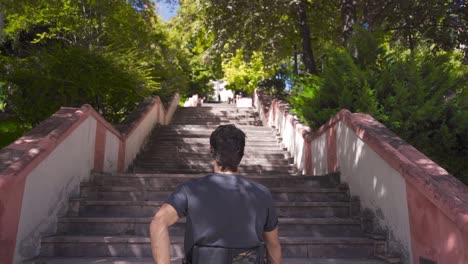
(41, 170)
(422, 206)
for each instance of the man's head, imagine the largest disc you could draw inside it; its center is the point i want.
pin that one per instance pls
(227, 147)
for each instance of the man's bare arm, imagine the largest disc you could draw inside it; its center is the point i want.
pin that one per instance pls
(273, 246)
(159, 231)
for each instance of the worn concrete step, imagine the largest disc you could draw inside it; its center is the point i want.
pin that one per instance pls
(113, 226)
(216, 117)
(130, 260)
(125, 193)
(171, 181)
(208, 167)
(190, 130)
(220, 121)
(214, 107)
(93, 208)
(213, 127)
(279, 155)
(138, 246)
(206, 136)
(205, 143)
(246, 123)
(182, 147)
(219, 111)
(216, 111)
(177, 142)
(167, 151)
(148, 170)
(207, 160)
(206, 140)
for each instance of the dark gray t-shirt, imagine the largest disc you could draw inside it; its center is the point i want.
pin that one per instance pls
(224, 210)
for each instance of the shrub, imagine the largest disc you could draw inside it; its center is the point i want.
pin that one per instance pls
(421, 95)
(48, 79)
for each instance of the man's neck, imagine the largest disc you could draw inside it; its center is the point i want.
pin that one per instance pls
(218, 170)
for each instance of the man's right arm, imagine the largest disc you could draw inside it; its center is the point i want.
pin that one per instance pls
(159, 233)
(273, 246)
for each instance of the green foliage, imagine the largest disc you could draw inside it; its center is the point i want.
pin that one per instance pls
(2, 98)
(246, 76)
(341, 85)
(420, 95)
(54, 77)
(443, 22)
(193, 41)
(109, 53)
(10, 130)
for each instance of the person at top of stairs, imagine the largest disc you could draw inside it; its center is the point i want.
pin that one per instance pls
(230, 219)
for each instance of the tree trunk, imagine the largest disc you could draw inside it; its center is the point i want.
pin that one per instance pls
(2, 21)
(296, 69)
(348, 14)
(308, 55)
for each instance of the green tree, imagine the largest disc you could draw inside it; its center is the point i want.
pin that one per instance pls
(109, 53)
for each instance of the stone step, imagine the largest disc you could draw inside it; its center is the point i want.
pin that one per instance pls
(207, 134)
(207, 160)
(96, 208)
(130, 260)
(206, 147)
(172, 151)
(138, 246)
(205, 143)
(142, 170)
(125, 193)
(171, 181)
(208, 167)
(113, 226)
(215, 117)
(279, 155)
(217, 123)
(213, 127)
(219, 111)
(213, 107)
(212, 111)
(206, 140)
(172, 130)
(174, 134)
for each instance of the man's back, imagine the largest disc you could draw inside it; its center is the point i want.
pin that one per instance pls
(224, 210)
(227, 215)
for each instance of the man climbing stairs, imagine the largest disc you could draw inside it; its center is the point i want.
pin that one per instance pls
(109, 221)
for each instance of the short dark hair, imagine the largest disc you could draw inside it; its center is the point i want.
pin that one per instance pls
(227, 144)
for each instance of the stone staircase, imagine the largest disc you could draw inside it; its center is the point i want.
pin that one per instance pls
(109, 222)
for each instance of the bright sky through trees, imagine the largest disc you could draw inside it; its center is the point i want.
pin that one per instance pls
(167, 11)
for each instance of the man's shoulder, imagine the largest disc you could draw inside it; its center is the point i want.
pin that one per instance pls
(256, 186)
(215, 180)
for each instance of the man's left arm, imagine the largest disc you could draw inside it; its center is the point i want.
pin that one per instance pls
(159, 232)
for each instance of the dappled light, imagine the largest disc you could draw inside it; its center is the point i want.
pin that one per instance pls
(350, 114)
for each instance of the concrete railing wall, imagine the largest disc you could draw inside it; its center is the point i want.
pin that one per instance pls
(40, 171)
(422, 207)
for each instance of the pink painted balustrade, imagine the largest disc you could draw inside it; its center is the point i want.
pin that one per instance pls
(423, 208)
(40, 171)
